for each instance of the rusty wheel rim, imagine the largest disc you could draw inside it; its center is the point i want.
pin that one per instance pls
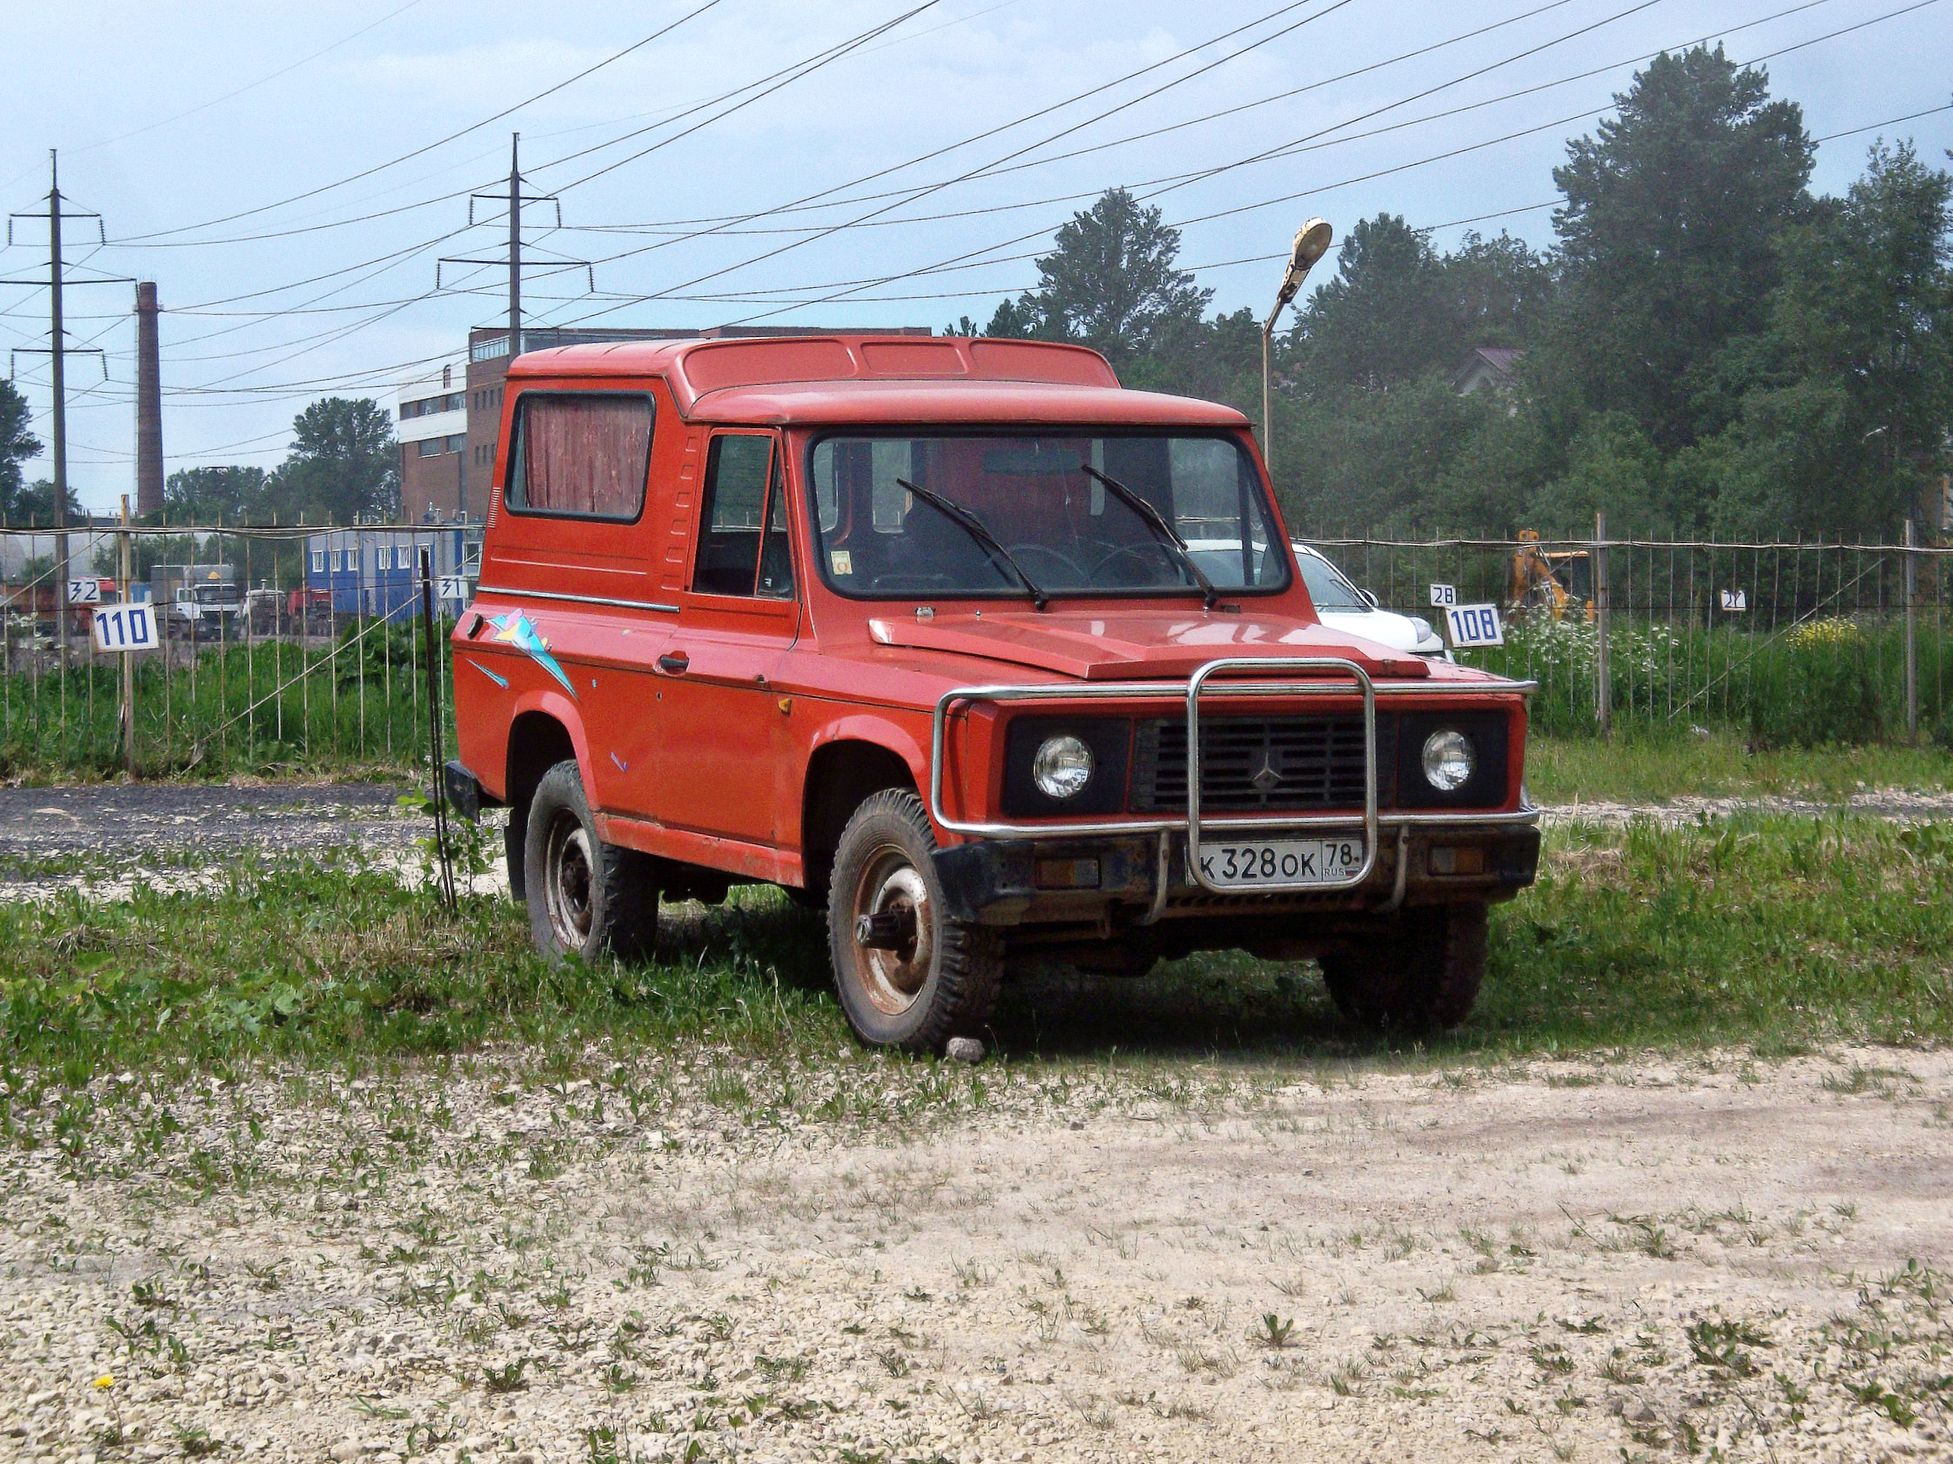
(890, 884)
(567, 883)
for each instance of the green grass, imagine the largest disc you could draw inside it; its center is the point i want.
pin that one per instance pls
(1773, 932)
(1643, 765)
(1829, 681)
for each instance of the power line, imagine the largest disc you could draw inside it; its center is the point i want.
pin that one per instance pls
(813, 62)
(611, 59)
(249, 85)
(937, 187)
(1290, 197)
(1225, 35)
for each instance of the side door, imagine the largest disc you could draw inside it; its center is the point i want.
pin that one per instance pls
(722, 732)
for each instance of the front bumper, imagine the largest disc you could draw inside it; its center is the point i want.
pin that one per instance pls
(1136, 880)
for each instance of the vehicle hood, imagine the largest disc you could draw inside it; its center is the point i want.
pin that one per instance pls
(1122, 645)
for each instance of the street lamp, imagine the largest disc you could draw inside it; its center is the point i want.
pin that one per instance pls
(1311, 243)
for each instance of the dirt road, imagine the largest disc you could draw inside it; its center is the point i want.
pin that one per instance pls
(1576, 1262)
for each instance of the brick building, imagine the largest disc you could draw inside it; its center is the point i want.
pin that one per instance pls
(448, 434)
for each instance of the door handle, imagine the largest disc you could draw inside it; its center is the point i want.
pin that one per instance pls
(674, 663)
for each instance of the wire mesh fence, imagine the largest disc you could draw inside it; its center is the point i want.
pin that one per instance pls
(1786, 642)
(296, 649)
(275, 649)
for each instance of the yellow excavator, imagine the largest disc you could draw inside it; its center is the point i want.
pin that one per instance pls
(1554, 580)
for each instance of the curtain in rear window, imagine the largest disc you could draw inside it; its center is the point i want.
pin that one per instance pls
(585, 455)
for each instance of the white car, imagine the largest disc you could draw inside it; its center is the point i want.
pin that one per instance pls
(1341, 604)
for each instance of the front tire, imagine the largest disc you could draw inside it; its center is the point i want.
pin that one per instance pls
(1422, 974)
(933, 978)
(586, 898)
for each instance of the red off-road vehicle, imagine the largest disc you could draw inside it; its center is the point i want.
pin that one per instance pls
(909, 627)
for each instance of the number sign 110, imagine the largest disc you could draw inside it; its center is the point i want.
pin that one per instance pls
(125, 628)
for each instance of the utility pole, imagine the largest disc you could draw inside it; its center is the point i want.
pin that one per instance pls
(58, 350)
(58, 342)
(515, 245)
(513, 260)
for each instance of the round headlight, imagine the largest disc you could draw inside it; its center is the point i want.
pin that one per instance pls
(1062, 767)
(1448, 760)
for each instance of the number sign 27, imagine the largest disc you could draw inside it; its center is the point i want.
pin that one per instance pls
(125, 628)
(1474, 625)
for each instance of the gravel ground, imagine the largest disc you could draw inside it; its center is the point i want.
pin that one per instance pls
(693, 1257)
(1635, 1259)
(196, 820)
(173, 829)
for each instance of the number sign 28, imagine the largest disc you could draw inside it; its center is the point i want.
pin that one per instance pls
(1474, 625)
(125, 628)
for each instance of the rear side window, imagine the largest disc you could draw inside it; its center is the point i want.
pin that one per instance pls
(580, 455)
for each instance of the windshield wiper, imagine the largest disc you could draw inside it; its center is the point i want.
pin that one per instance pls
(1162, 530)
(969, 523)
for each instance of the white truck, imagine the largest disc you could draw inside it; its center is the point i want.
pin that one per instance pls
(201, 601)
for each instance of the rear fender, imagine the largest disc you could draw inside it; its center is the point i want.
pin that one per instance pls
(560, 709)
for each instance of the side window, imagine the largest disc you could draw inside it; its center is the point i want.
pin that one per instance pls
(742, 542)
(580, 455)
(776, 551)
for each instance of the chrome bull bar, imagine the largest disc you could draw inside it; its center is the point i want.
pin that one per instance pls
(1344, 678)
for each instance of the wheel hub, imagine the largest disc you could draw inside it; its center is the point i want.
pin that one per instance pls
(567, 881)
(894, 931)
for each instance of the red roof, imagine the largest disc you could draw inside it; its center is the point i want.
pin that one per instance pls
(865, 379)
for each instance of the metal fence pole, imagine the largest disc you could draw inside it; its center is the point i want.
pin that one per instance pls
(125, 569)
(1911, 640)
(1603, 691)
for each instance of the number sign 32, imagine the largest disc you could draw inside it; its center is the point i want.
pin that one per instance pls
(1474, 625)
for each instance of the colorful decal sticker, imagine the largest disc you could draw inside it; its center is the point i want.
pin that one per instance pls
(518, 630)
(843, 561)
(498, 680)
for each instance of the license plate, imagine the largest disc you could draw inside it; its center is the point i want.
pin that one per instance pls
(1248, 863)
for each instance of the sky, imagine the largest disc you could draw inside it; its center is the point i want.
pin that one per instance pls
(290, 176)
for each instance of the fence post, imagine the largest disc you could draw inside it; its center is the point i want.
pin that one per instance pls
(1603, 686)
(125, 567)
(1912, 645)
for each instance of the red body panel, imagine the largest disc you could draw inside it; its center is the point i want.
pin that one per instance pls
(708, 764)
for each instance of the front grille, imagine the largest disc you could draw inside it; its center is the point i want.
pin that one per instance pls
(1253, 764)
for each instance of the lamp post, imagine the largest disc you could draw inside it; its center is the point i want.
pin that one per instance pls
(1311, 243)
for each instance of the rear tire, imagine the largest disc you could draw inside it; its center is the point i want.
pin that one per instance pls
(938, 983)
(1421, 974)
(586, 898)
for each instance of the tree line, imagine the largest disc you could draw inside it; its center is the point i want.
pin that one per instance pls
(343, 467)
(1707, 349)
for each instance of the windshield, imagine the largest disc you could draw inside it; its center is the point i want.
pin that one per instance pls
(876, 539)
(218, 594)
(1328, 590)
